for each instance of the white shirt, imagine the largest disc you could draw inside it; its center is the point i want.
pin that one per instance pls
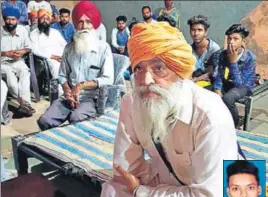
(114, 39)
(46, 46)
(35, 6)
(101, 32)
(19, 41)
(202, 137)
(152, 21)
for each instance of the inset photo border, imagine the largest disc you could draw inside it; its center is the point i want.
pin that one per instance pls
(244, 178)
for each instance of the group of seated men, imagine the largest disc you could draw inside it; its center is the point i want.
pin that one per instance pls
(164, 111)
(50, 41)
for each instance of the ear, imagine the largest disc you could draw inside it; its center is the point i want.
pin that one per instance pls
(244, 42)
(259, 190)
(228, 191)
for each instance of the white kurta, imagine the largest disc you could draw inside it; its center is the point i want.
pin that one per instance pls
(46, 46)
(203, 136)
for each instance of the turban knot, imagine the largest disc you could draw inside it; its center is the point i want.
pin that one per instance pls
(160, 40)
(90, 10)
(10, 11)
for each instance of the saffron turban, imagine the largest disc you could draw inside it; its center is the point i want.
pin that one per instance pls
(33, 14)
(160, 40)
(90, 10)
(44, 12)
(10, 11)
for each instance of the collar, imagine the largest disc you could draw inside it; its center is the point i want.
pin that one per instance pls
(6, 33)
(186, 102)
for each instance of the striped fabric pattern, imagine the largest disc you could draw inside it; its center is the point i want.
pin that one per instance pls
(89, 145)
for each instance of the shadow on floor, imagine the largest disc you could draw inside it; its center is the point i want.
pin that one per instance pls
(70, 186)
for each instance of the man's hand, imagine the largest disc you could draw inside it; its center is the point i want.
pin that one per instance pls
(8, 54)
(232, 53)
(121, 49)
(127, 179)
(218, 92)
(18, 54)
(76, 93)
(55, 57)
(69, 97)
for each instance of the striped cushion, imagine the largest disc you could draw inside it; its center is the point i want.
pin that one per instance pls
(89, 145)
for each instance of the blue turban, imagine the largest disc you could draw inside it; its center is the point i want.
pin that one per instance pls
(10, 11)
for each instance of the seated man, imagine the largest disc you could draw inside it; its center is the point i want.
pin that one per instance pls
(14, 45)
(203, 49)
(21, 6)
(33, 22)
(66, 28)
(120, 36)
(176, 122)
(47, 42)
(37, 5)
(147, 14)
(87, 64)
(242, 70)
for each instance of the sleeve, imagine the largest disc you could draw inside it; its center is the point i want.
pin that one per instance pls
(114, 40)
(27, 42)
(176, 17)
(24, 13)
(36, 48)
(107, 72)
(246, 75)
(210, 150)
(219, 70)
(128, 153)
(64, 70)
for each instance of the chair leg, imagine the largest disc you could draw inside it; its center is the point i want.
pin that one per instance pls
(33, 79)
(248, 111)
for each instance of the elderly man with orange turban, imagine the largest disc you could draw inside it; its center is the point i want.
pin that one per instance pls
(47, 42)
(176, 122)
(87, 64)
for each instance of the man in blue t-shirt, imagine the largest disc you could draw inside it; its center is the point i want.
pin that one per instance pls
(66, 28)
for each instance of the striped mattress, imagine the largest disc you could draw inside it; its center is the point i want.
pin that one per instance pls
(89, 145)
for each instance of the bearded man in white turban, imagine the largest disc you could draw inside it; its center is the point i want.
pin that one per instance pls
(87, 64)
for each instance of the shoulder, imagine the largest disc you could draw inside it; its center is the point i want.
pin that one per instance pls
(251, 56)
(55, 32)
(22, 30)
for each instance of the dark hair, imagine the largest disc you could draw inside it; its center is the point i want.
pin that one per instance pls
(132, 23)
(121, 18)
(146, 6)
(168, 19)
(242, 166)
(64, 11)
(200, 19)
(237, 28)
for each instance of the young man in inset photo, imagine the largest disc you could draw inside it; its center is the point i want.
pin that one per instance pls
(243, 179)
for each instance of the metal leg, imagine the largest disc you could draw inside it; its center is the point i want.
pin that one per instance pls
(20, 158)
(248, 111)
(33, 78)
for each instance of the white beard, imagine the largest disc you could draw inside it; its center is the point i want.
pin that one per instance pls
(84, 41)
(155, 112)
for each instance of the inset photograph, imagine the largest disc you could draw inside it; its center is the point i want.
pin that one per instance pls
(244, 178)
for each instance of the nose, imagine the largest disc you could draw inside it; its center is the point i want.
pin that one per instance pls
(243, 193)
(148, 79)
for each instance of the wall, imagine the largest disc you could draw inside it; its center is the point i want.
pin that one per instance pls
(222, 14)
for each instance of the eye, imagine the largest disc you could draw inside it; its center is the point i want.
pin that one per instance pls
(234, 189)
(252, 188)
(137, 69)
(159, 69)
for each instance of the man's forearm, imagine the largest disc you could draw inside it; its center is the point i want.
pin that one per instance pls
(89, 84)
(25, 51)
(66, 87)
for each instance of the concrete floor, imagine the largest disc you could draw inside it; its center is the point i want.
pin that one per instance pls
(72, 187)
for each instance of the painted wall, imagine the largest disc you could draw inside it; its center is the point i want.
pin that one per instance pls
(222, 14)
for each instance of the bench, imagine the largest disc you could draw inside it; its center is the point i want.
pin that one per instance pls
(258, 92)
(85, 150)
